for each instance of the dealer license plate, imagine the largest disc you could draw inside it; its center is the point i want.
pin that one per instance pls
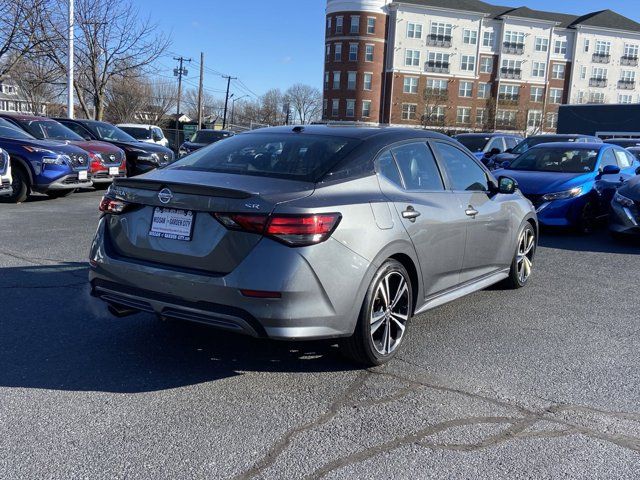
(172, 223)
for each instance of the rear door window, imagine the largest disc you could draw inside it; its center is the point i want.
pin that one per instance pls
(623, 160)
(388, 169)
(463, 172)
(418, 167)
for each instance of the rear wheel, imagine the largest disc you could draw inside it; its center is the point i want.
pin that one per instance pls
(60, 193)
(384, 317)
(522, 264)
(20, 185)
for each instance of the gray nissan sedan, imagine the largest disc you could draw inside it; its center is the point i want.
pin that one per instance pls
(312, 232)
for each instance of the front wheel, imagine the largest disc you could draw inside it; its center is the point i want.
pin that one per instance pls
(522, 264)
(20, 186)
(384, 317)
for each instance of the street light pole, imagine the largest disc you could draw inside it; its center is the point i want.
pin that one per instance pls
(70, 106)
(233, 107)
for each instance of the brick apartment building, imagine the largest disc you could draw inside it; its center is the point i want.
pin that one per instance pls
(469, 65)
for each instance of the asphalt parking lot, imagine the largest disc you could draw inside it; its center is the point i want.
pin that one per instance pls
(539, 383)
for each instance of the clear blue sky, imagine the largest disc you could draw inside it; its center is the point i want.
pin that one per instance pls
(276, 43)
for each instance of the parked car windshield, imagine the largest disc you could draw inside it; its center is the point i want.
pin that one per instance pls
(208, 136)
(473, 142)
(530, 142)
(43, 129)
(291, 156)
(105, 131)
(550, 159)
(8, 130)
(140, 133)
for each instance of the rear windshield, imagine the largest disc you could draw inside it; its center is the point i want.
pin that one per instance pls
(106, 131)
(8, 130)
(473, 142)
(530, 142)
(208, 136)
(139, 133)
(551, 159)
(291, 156)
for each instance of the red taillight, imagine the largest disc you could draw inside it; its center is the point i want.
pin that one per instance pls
(294, 230)
(260, 294)
(111, 205)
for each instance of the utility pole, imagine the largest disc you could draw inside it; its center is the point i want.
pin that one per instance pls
(179, 72)
(200, 90)
(226, 100)
(70, 106)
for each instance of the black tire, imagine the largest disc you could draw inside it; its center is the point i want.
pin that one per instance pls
(588, 220)
(60, 193)
(21, 185)
(363, 347)
(515, 279)
(101, 186)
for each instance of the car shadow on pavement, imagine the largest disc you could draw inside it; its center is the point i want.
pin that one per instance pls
(54, 335)
(599, 242)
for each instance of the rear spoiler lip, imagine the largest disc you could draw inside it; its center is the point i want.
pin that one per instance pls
(155, 185)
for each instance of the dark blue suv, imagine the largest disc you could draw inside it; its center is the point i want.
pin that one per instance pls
(51, 167)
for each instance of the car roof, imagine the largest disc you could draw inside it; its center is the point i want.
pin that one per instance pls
(356, 132)
(78, 120)
(27, 118)
(139, 125)
(562, 135)
(487, 134)
(573, 145)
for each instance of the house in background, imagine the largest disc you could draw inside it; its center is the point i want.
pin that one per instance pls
(11, 100)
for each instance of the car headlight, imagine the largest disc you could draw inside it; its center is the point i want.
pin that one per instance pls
(149, 157)
(574, 192)
(4, 160)
(31, 149)
(57, 160)
(622, 200)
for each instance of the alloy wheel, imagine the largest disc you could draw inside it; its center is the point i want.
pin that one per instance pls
(389, 313)
(524, 258)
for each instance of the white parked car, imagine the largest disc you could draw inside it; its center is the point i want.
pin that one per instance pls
(145, 133)
(5, 173)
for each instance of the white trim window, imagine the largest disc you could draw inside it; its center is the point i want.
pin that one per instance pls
(352, 80)
(325, 107)
(337, 52)
(509, 92)
(625, 98)
(542, 44)
(353, 52)
(560, 47)
(599, 73)
(558, 71)
(484, 90)
(441, 29)
(366, 108)
(328, 51)
(488, 38)
(537, 94)
(412, 58)
(463, 115)
(368, 52)
(486, 64)
(435, 113)
(328, 23)
(469, 37)
(414, 30)
(481, 116)
(538, 69)
(371, 25)
(555, 96)
(628, 76)
(339, 24)
(437, 85)
(351, 108)
(409, 111)
(335, 107)
(336, 80)
(602, 47)
(326, 80)
(511, 36)
(465, 89)
(597, 97)
(506, 117)
(630, 50)
(367, 81)
(468, 63)
(552, 120)
(355, 25)
(583, 72)
(410, 85)
(534, 118)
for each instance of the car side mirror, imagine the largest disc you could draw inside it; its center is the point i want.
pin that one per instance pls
(156, 137)
(507, 185)
(505, 164)
(610, 170)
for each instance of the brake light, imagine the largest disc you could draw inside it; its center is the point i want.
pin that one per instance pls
(293, 230)
(113, 206)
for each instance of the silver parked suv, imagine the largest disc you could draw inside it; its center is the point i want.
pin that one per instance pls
(312, 232)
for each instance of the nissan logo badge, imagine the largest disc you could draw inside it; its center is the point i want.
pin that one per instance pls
(165, 195)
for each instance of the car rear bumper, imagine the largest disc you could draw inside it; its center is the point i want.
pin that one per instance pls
(318, 298)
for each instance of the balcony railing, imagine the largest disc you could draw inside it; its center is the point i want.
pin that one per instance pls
(436, 40)
(436, 93)
(626, 84)
(436, 67)
(512, 73)
(601, 58)
(598, 82)
(506, 98)
(629, 61)
(513, 47)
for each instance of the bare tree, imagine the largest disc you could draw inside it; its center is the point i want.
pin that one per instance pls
(126, 96)
(211, 106)
(306, 102)
(39, 80)
(112, 42)
(162, 100)
(435, 113)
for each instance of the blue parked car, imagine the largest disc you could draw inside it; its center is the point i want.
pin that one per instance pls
(46, 166)
(571, 184)
(486, 145)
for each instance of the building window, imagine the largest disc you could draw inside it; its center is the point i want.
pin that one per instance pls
(555, 96)
(355, 25)
(328, 52)
(587, 44)
(557, 71)
(353, 52)
(542, 44)
(337, 52)
(409, 111)
(506, 118)
(628, 76)
(465, 89)
(552, 120)
(437, 61)
(371, 25)
(410, 85)
(414, 30)
(599, 73)
(470, 37)
(351, 80)
(368, 53)
(630, 51)
(602, 48)
(560, 47)
(534, 118)
(468, 63)
(335, 108)
(435, 114)
(367, 81)
(488, 39)
(436, 87)
(339, 24)
(412, 58)
(625, 98)
(336, 80)
(481, 116)
(326, 80)
(463, 115)
(351, 108)
(538, 69)
(366, 108)
(596, 97)
(328, 23)
(441, 30)
(515, 38)
(486, 64)
(509, 93)
(325, 107)
(537, 94)
(484, 90)
(583, 72)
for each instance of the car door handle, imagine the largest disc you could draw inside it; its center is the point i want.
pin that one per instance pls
(471, 212)
(410, 214)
